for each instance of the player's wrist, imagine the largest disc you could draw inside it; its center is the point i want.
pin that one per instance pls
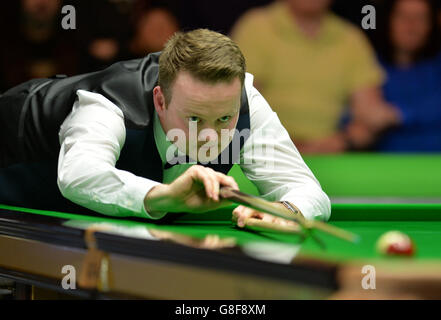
(288, 205)
(157, 199)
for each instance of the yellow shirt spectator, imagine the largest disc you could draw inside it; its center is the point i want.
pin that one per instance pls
(307, 81)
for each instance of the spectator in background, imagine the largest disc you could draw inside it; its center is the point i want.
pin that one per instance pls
(33, 43)
(102, 26)
(214, 15)
(409, 51)
(309, 64)
(152, 27)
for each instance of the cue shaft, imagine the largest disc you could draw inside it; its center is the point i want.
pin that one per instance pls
(272, 208)
(260, 225)
(337, 232)
(259, 204)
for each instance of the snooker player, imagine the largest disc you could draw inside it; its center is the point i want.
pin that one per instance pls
(102, 140)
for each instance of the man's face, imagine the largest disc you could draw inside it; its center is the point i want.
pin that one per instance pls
(41, 10)
(309, 7)
(410, 25)
(200, 111)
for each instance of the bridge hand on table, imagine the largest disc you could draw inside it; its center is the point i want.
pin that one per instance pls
(242, 213)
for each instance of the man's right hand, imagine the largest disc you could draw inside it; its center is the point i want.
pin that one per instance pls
(379, 117)
(195, 191)
(369, 107)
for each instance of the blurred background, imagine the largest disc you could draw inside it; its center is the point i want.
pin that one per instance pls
(336, 86)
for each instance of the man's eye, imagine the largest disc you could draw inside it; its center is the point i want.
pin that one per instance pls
(225, 119)
(194, 119)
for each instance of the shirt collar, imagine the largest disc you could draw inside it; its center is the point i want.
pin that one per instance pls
(162, 143)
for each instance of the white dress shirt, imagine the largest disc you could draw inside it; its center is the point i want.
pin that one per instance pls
(94, 133)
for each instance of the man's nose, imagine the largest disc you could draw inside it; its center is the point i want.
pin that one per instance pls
(208, 135)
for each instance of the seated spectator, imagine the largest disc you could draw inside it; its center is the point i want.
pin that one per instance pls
(152, 28)
(33, 44)
(213, 15)
(409, 52)
(310, 64)
(102, 26)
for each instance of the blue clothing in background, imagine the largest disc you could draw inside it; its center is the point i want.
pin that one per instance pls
(416, 91)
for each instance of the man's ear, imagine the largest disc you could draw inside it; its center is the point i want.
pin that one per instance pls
(159, 99)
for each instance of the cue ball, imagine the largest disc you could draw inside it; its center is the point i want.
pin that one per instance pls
(395, 243)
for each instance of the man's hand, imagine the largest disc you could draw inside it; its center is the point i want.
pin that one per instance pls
(360, 135)
(242, 213)
(196, 191)
(332, 144)
(379, 117)
(369, 107)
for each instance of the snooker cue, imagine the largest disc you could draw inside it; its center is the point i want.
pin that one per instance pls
(263, 205)
(260, 225)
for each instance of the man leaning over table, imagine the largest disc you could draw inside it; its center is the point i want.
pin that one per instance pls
(115, 141)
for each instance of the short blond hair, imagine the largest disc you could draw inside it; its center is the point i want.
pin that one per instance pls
(207, 55)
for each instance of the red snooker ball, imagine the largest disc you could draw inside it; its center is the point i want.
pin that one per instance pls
(395, 243)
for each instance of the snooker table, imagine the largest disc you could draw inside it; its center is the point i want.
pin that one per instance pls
(207, 257)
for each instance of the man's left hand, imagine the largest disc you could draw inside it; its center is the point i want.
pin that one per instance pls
(242, 213)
